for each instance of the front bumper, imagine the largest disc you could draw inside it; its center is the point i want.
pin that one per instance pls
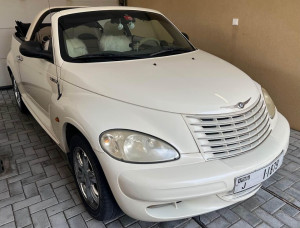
(189, 186)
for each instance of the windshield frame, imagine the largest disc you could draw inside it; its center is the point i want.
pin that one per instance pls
(64, 55)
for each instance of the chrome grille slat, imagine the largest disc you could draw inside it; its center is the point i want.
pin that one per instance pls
(242, 139)
(221, 129)
(243, 143)
(213, 156)
(223, 136)
(215, 121)
(250, 129)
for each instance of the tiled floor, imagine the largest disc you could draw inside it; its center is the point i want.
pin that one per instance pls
(38, 189)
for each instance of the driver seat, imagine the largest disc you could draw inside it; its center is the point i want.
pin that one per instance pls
(43, 35)
(114, 39)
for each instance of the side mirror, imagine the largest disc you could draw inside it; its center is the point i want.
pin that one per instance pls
(185, 35)
(34, 50)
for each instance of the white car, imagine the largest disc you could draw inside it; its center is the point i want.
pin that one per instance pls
(150, 123)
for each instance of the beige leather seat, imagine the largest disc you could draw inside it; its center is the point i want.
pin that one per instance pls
(76, 47)
(90, 36)
(114, 39)
(43, 35)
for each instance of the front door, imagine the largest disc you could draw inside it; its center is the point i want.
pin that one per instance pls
(36, 77)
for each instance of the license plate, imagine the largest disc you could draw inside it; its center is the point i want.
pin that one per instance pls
(249, 180)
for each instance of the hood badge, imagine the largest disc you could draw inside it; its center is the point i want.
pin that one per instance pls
(239, 105)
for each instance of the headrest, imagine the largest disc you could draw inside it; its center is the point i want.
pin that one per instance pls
(43, 34)
(111, 29)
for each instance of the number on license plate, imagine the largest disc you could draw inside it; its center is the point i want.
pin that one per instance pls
(270, 170)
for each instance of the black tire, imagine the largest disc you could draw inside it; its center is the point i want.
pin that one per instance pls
(107, 208)
(22, 107)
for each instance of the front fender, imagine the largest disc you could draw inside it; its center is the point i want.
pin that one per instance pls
(11, 64)
(11, 59)
(93, 114)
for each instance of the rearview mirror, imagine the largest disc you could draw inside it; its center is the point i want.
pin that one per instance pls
(185, 35)
(34, 50)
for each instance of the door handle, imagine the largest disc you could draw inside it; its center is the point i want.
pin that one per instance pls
(19, 58)
(58, 87)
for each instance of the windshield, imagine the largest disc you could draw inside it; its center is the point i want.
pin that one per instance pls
(118, 35)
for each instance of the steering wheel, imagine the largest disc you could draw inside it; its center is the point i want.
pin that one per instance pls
(145, 40)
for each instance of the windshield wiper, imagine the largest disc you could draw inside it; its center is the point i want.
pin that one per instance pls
(171, 50)
(106, 56)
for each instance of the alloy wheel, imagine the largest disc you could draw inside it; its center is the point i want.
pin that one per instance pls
(17, 93)
(86, 178)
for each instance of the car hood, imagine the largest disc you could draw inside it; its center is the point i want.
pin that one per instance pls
(190, 83)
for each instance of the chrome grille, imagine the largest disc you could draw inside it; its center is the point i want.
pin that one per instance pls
(223, 136)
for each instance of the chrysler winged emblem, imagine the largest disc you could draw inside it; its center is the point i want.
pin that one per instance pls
(239, 105)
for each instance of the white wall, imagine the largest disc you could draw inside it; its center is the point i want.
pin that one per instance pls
(25, 11)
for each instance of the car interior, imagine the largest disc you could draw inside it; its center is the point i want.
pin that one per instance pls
(87, 39)
(43, 36)
(92, 38)
(115, 34)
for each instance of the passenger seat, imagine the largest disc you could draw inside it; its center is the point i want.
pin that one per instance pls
(76, 47)
(89, 35)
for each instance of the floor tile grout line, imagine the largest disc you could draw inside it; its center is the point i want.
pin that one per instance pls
(182, 225)
(200, 223)
(113, 220)
(281, 198)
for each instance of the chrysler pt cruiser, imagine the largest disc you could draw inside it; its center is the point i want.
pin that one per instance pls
(150, 124)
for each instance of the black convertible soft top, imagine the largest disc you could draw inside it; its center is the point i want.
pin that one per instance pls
(21, 29)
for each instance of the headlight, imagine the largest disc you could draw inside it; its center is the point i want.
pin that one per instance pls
(131, 146)
(269, 102)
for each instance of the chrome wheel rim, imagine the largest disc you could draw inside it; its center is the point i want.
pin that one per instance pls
(86, 178)
(17, 94)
